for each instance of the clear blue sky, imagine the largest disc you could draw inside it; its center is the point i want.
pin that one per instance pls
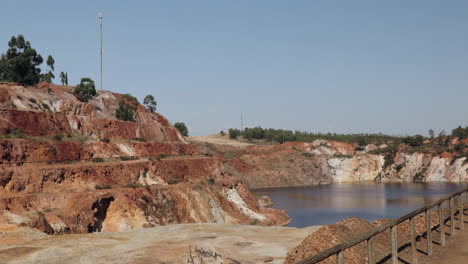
(398, 67)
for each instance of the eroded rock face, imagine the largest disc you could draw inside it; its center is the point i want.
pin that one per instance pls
(425, 168)
(361, 168)
(116, 210)
(322, 162)
(47, 110)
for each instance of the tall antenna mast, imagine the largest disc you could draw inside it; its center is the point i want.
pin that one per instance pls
(242, 123)
(100, 35)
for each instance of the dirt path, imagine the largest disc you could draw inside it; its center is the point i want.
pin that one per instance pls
(455, 251)
(164, 244)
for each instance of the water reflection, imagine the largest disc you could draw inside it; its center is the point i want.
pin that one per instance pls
(327, 204)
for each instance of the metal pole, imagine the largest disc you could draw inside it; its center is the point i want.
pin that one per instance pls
(100, 27)
(242, 122)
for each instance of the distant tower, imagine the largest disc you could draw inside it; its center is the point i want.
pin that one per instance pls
(242, 122)
(100, 35)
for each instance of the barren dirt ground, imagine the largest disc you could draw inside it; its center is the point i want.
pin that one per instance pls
(218, 139)
(165, 244)
(455, 250)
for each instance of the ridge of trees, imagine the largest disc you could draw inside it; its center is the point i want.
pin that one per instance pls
(460, 132)
(21, 63)
(283, 135)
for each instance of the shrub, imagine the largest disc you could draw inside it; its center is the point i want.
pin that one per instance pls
(459, 147)
(125, 158)
(307, 155)
(420, 176)
(53, 150)
(45, 106)
(85, 90)
(105, 186)
(146, 198)
(139, 139)
(182, 128)
(222, 133)
(107, 140)
(32, 100)
(130, 99)
(162, 156)
(57, 137)
(172, 181)
(413, 141)
(254, 222)
(234, 133)
(125, 112)
(133, 185)
(399, 167)
(17, 133)
(97, 160)
(148, 188)
(211, 181)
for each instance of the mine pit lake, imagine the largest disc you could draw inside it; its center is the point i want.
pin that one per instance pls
(328, 204)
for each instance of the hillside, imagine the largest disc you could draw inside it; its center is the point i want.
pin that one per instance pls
(73, 167)
(328, 161)
(46, 110)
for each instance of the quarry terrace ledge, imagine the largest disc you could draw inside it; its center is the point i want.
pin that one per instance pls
(339, 249)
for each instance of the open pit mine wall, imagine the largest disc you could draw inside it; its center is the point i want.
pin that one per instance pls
(23, 151)
(61, 199)
(118, 196)
(322, 162)
(416, 167)
(119, 210)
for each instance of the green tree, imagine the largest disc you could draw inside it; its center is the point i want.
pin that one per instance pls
(64, 78)
(49, 76)
(85, 90)
(21, 62)
(182, 128)
(125, 112)
(460, 132)
(150, 103)
(414, 141)
(431, 133)
(234, 133)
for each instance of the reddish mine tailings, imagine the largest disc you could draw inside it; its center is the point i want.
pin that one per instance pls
(72, 167)
(332, 235)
